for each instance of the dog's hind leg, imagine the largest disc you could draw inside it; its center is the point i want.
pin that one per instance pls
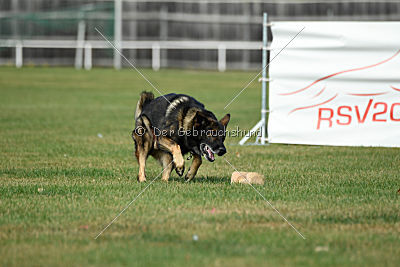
(141, 154)
(193, 168)
(165, 160)
(143, 144)
(170, 146)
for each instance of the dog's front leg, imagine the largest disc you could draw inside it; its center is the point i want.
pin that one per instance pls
(170, 146)
(194, 167)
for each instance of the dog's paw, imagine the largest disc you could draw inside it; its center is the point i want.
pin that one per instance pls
(179, 165)
(188, 178)
(141, 179)
(180, 170)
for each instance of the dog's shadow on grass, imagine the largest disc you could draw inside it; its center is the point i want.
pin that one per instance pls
(202, 180)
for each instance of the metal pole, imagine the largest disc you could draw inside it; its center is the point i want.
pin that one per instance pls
(262, 124)
(117, 32)
(251, 133)
(264, 80)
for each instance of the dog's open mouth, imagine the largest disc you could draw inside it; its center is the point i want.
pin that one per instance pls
(207, 152)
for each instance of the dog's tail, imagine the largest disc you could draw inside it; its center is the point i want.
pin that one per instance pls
(145, 98)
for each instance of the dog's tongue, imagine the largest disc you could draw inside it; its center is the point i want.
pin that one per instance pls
(210, 154)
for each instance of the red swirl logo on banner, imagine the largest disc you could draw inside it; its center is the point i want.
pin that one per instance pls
(335, 96)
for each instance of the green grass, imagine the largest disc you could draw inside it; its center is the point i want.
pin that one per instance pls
(342, 199)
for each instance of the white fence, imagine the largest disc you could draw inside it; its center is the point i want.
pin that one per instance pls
(155, 46)
(168, 21)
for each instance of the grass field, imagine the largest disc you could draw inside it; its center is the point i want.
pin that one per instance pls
(60, 183)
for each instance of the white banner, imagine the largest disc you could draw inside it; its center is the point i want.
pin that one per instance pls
(337, 83)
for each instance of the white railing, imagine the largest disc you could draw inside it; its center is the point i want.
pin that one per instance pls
(156, 46)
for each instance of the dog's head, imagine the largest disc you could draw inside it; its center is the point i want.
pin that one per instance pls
(209, 133)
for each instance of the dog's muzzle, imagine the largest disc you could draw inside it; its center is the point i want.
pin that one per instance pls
(221, 151)
(208, 152)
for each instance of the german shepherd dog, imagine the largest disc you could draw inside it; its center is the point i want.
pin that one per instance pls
(170, 126)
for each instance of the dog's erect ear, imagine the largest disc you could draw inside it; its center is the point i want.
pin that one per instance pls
(224, 121)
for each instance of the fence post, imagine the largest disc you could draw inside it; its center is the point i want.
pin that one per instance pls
(156, 60)
(79, 44)
(88, 56)
(221, 57)
(18, 55)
